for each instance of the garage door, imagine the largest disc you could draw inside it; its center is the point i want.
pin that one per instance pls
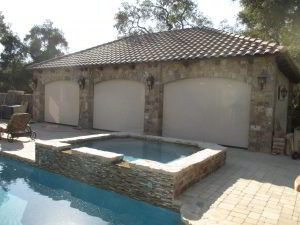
(119, 105)
(211, 110)
(62, 102)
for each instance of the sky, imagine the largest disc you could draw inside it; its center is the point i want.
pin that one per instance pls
(88, 23)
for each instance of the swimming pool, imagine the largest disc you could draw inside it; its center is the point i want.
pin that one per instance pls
(31, 196)
(134, 148)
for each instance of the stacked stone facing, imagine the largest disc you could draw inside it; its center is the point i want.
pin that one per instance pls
(146, 180)
(278, 146)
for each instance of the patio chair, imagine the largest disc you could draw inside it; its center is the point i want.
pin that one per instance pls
(18, 126)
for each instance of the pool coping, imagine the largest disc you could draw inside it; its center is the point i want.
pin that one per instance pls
(17, 157)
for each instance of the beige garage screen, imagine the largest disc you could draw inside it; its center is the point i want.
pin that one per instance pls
(119, 105)
(62, 102)
(212, 110)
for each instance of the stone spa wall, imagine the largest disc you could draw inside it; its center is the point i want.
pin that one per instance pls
(146, 180)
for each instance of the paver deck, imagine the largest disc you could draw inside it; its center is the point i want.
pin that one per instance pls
(24, 148)
(251, 188)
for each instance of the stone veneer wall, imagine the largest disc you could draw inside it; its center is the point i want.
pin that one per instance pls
(189, 176)
(145, 180)
(281, 106)
(244, 69)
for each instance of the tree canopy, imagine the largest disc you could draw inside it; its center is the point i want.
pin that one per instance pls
(13, 50)
(3, 26)
(277, 20)
(45, 41)
(148, 16)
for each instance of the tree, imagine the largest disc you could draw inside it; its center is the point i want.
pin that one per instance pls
(226, 27)
(45, 41)
(148, 16)
(277, 20)
(3, 26)
(13, 50)
(12, 72)
(13, 54)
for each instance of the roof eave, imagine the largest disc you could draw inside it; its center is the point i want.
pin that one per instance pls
(287, 66)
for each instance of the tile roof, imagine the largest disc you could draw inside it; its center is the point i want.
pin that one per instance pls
(191, 43)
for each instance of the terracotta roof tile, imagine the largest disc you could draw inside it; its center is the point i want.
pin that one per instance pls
(192, 43)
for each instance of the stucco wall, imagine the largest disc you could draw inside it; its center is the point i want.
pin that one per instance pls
(244, 69)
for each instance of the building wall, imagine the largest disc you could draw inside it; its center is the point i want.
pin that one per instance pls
(244, 69)
(85, 95)
(281, 106)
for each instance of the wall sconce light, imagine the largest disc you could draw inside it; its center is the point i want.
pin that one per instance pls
(81, 82)
(282, 92)
(149, 80)
(34, 83)
(262, 80)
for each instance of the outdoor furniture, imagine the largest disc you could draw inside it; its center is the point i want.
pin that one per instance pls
(12, 104)
(6, 111)
(18, 126)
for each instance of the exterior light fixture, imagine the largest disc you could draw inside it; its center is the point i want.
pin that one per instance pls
(282, 92)
(262, 80)
(149, 78)
(81, 82)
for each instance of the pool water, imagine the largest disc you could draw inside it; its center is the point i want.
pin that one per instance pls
(31, 196)
(134, 148)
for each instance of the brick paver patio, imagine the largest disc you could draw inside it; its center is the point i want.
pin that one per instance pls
(252, 188)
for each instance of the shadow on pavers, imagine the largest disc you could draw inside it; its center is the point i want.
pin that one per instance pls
(240, 165)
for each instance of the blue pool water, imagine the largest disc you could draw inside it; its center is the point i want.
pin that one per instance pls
(134, 148)
(31, 196)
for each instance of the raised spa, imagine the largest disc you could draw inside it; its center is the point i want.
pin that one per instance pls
(139, 148)
(150, 168)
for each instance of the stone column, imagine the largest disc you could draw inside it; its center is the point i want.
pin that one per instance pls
(153, 110)
(86, 100)
(154, 103)
(262, 104)
(38, 100)
(290, 107)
